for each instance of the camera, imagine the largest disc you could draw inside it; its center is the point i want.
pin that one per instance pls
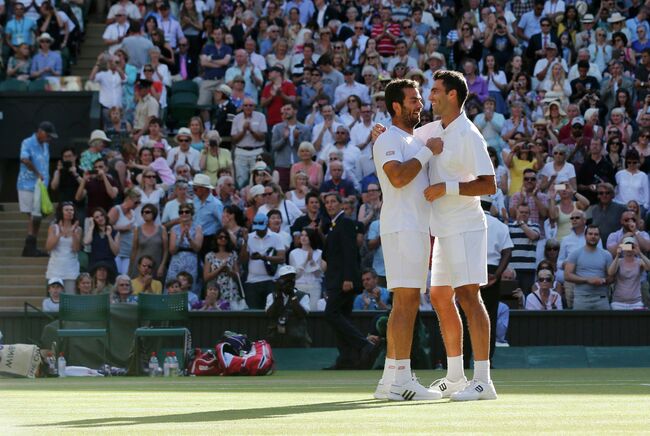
(67, 164)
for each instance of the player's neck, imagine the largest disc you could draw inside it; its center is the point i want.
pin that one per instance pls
(400, 125)
(447, 119)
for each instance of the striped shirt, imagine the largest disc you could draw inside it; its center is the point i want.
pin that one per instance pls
(523, 252)
(385, 45)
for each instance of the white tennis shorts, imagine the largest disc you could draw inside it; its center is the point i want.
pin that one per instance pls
(460, 260)
(406, 257)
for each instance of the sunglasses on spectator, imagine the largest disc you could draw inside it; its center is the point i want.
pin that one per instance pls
(150, 176)
(148, 70)
(604, 193)
(183, 140)
(266, 194)
(545, 279)
(406, 27)
(560, 153)
(147, 212)
(530, 179)
(575, 218)
(185, 212)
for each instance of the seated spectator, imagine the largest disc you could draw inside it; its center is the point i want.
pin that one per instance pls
(634, 207)
(490, 123)
(275, 199)
(63, 243)
(587, 268)
(606, 214)
(248, 136)
(102, 276)
(164, 173)
(54, 289)
(173, 286)
(185, 243)
(300, 183)
(632, 184)
(308, 262)
(265, 252)
(544, 296)
(146, 108)
(184, 154)
(84, 284)
(275, 225)
(287, 309)
(144, 282)
(221, 269)
(46, 63)
(186, 283)
(628, 229)
(154, 134)
(170, 215)
(627, 268)
(343, 187)
(342, 144)
(122, 292)
(214, 158)
(314, 171)
(373, 297)
(227, 193)
(150, 238)
(19, 65)
(212, 301)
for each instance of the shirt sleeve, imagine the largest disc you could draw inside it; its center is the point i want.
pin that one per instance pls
(385, 150)
(479, 158)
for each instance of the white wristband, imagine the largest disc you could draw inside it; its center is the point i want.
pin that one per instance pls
(423, 155)
(452, 188)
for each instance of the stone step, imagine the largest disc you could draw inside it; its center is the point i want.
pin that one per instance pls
(14, 241)
(15, 251)
(16, 303)
(23, 261)
(9, 206)
(23, 290)
(12, 215)
(25, 270)
(24, 281)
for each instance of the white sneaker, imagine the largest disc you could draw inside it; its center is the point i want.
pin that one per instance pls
(382, 390)
(412, 391)
(447, 387)
(476, 390)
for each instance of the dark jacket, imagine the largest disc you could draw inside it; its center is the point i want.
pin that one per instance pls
(341, 254)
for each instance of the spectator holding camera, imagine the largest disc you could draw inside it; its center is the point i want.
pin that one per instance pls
(628, 229)
(560, 212)
(287, 309)
(66, 178)
(628, 266)
(98, 187)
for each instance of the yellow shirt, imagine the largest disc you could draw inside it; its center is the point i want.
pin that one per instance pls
(517, 173)
(138, 287)
(214, 164)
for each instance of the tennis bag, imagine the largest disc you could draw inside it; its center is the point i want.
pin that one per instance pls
(258, 361)
(20, 360)
(204, 363)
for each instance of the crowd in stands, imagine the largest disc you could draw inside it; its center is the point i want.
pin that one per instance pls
(284, 96)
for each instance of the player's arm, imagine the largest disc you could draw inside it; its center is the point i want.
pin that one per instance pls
(401, 174)
(482, 185)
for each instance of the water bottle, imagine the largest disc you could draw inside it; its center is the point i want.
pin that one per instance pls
(51, 364)
(153, 365)
(166, 365)
(61, 365)
(173, 367)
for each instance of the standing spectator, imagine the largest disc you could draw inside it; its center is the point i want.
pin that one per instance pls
(221, 269)
(544, 297)
(97, 187)
(286, 138)
(276, 94)
(560, 212)
(341, 284)
(65, 180)
(322, 134)
(627, 273)
(150, 239)
(186, 63)
(558, 169)
(54, 289)
(184, 154)
(104, 241)
(147, 107)
(606, 214)
(63, 244)
(632, 184)
(385, 32)
(214, 158)
(170, 214)
(20, 29)
(629, 229)
(276, 200)
(185, 243)
(244, 69)
(308, 262)
(46, 63)
(150, 193)
(344, 187)
(144, 281)
(136, 47)
(306, 153)
(248, 137)
(207, 209)
(265, 253)
(110, 82)
(519, 160)
(224, 110)
(169, 25)
(34, 166)
(116, 31)
(373, 297)
(214, 59)
(524, 235)
(573, 241)
(123, 218)
(529, 194)
(595, 169)
(587, 267)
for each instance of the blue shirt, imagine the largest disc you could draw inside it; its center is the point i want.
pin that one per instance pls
(358, 301)
(21, 31)
(208, 214)
(39, 154)
(306, 8)
(52, 59)
(378, 257)
(215, 53)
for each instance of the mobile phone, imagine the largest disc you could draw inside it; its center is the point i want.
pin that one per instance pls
(626, 247)
(560, 187)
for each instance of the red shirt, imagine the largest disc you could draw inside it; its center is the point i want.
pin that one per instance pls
(273, 115)
(385, 45)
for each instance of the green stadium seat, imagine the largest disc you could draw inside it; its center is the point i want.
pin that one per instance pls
(13, 85)
(37, 85)
(182, 106)
(91, 310)
(188, 86)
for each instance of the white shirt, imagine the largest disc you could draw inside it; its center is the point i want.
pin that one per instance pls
(114, 32)
(541, 64)
(567, 172)
(361, 48)
(403, 208)
(551, 7)
(170, 212)
(172, 30)
(131, 10)
(533, 301)
(191, 157)
(343, 91)
(498, 239)
(285, 206)
(632, 187)
(270, 299)
(464, 157)
(593, 71)
(351, 155)
(110, 88)
(328, 138)
(308, 272)
(359, 135)
(256, 270)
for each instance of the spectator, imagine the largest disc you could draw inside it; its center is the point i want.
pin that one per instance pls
(150, 193)
(54, 289)
(20, 29)
(83, 284)
(186, 63)
(373, 297)
(191, 21)
(184, 154)
(110, 83)
(544, 297)
(144, 281)
(160, 167)
(116, 31)
(150, 239)
(595, 169)
(147, 107)
(265, 253)
(524, 235)
(213, 300)
(248, 135)
(607, 91)
(343, 187)
(154, 135)
(20, 63)
(558, 169)
(226, 192)
(65, 180)
(123, 219)
(351, 153)
(186, 241)
(214, 59)
(574, 240)
(277, 93)
(306, 153)
(530, 194)
(628, 229)
(309, 265)
(97, 187)
(286, 137)
(186, 284)
(102, 277)
(490, 122)
(208, 211)
(627, 274)
(632, 184)
(520, 159)
(104, 241)
(373, 239)
(63, 243)
(122, 292)
(560, 213)
(169, 24)
(221, 269)
(587, 268)
(46, 63)
(223, 110)
(287, 308)
(301, 189)
(96, 145)
(606, 214)
(275, 199)
(136, 47)
(170, 215)
(251, 75)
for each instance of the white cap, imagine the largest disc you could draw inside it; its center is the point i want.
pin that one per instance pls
(286, 270)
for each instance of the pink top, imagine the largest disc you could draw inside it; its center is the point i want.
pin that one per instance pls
(314, 173)
(627, 288)
(164, 172)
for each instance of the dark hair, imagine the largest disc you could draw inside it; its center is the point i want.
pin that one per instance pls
(453, 80)
(155, 120)
(272, 212)
(146, 257)
(325, 59)
(59, 211)
(100, 159)
(583, 64)
(187, 275)
(333, 193)
(239, 214)
(620, 35)
(632, 154)
(370, 271)
(312, 194)
(152, 207)
(545, 20)
(529, 170)
(68, 148)
(171, 282)
(230, 246)
(395, 93)
(591, 226)
(314, 240)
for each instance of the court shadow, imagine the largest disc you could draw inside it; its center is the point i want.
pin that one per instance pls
(232, 414)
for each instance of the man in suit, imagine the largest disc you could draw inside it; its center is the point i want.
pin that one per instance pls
(242, 30)
(537, 43)
(342, 282)
(324, 13)
(186, 65)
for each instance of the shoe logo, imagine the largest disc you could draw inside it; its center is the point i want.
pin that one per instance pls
(408, 395)
(478, 388)
(442, 387)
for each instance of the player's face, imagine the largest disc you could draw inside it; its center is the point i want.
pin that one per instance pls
(439, 98)
(410, 110)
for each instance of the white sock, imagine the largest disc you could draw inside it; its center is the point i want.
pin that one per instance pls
(388, 376)
(402, 371)
(455, 370)
(482, 370)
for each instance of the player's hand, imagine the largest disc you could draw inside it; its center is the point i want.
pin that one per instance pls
(434, 192)
(377, 130)
(435, 145)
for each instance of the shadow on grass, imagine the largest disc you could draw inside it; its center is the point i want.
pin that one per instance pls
(232, 414)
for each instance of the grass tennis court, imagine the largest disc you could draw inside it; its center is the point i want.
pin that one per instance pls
(315, 402)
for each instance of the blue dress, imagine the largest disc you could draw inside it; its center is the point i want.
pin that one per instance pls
(185, 259)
